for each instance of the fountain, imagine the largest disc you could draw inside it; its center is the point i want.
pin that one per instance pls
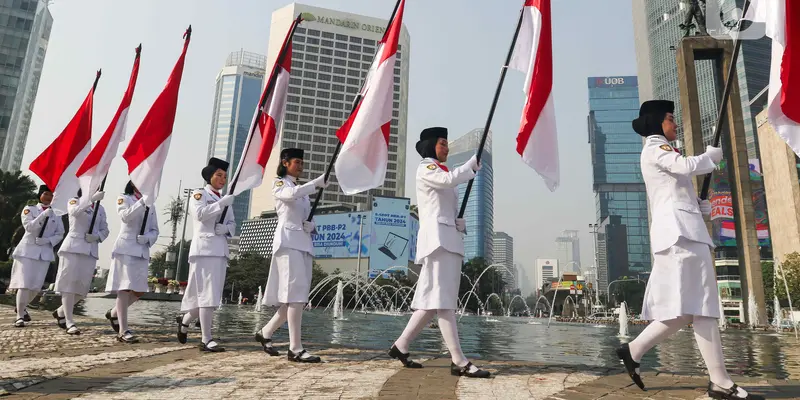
(259, 299)
(623, 319)
(776, 304)
(525, 303)
(338, 311)
(553, 304)
(723, 322)
(752, 311)
(240, 299)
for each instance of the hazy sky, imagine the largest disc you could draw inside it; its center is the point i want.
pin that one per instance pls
(457, 49)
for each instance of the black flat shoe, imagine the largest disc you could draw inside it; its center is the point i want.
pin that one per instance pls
(624, 354)
(303, 357)
(61, 321)
(113, 321)
(26, 317)
(127, 337)
(455, 370)
(720, 393)
(212, 346)
(182, 336)
(266, 344)
(73, 330)
(395, 353)
(19, 323)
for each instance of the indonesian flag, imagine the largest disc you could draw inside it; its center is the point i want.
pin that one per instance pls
(361, 165)
(782, 19)
(59, 162)
(537, 141)
(728, 230)
(148, 148)
(95, 167)
(266, 121)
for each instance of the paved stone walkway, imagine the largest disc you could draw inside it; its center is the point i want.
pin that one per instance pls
(41, 362)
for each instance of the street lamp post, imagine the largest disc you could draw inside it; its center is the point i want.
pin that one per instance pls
(188, 193)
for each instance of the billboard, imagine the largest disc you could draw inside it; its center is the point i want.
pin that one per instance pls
(722, 221)
(337, 235)
(390, 234)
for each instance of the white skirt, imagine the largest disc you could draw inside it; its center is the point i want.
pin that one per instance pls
(75, 273)
(127, 273)
(683, 282)
(206, 279)
(439, 279)
(27, 273)
(289, 278)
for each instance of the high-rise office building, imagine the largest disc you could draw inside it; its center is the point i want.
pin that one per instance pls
(331, 54)
(656, 36)
(238, 91)
(503, 253)
(479, 214)
(24, 33)
(569, 252)
(546, 269)
(617, 176)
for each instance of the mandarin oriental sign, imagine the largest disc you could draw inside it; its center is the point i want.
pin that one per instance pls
(344, 23)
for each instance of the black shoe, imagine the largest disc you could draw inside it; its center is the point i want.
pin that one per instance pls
(212, 346)
(266, 344)
(182, 336)
(720, 393)
(395, 353)
(73, 330)
(19, 323)
(303, 357)
(61, 321)
(113, 321)
(127, 337)
(455, 370)
(624, 354)
(197, 324)
(26, 317)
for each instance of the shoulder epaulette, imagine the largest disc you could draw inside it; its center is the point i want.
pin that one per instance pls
(32, 202)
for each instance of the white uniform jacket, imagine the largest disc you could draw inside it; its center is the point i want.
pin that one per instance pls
(32, 222)
(79, 220)
(205, 213)
(437, 198)
(131, 212)
(672, 195)
(292, 205)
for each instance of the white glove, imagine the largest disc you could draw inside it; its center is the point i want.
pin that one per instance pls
(92, 238)
(141, 239)
(48, 213)
(147, 200)
(309, 227)
(41, 241)
(226, 200)
(474, 164)
(98, 196)
(705, 206)
(715, 153)
(320, 182)
(461, 225)
(220, 229)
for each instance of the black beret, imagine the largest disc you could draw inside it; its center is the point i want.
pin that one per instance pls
(290, 153)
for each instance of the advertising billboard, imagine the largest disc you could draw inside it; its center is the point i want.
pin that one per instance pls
(337, 235)
(390, 235)
(723, 225)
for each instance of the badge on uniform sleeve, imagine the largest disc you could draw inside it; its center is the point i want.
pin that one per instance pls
(120, 201)
(279, 183)
(73, 202)
(197, 196)
(26, 211)
(665, 147)
(431, 167)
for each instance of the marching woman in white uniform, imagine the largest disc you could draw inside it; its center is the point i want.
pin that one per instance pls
(440, 250)
(208, 255)
(290, 269)
(33, 254)
(682, 288)
(127, 276)
(79, 257)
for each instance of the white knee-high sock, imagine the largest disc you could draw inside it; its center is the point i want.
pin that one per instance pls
(121, 309)
(190, 316)
(706, 333)
(68, 301)
(206, 320)
(132, 298)
(418, 321)
(294, 315)
(449, 328)
(275, 322)
(655, 333)
(24, 297)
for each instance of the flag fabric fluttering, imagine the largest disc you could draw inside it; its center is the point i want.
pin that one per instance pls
(537, 140)
(95, 167)
(361, 164)
(58, 164)
(782, 19)
(147, 150)
(266, 121)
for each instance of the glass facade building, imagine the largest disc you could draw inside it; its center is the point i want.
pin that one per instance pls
(617, 178)
(503, 253)
(25, 27)
(479, 215)
(236, 98)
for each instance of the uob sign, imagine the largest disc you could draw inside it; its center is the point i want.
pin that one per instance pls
(614, 81)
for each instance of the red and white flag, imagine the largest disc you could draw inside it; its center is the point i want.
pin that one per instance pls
(266, 121)
(148, 148)
(95, 167)
(537, 140)
(782, 19)
(59, 162)
(361, 164)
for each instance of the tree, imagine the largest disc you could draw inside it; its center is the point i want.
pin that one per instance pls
(490, 282)
(158, 261)
(175, 213)
(246, 273)
(15, 191)
(791, 268)
(768, 279)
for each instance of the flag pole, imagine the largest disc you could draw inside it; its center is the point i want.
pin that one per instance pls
(491, 111)
(94, 86)
(273, 80)
(356, 102)
(97, 205)
(726, 93)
